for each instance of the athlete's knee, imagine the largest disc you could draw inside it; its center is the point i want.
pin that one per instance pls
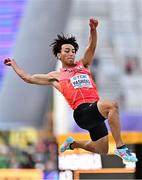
(114, 106)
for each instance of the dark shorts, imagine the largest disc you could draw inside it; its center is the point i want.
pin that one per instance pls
(87, 116)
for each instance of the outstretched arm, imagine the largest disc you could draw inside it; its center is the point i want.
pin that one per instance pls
(90, 50)
(40, 79)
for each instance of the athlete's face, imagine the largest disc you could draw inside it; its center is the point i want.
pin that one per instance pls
(67, 55)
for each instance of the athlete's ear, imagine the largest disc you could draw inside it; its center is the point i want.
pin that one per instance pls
(59, 55)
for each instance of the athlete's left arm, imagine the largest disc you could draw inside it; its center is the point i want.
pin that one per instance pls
(90, 50)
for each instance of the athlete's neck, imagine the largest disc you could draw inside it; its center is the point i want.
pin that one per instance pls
(68, 66)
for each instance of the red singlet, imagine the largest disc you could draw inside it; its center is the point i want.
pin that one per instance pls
(77, 85)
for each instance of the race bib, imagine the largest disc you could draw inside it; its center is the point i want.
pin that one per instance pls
(80, 81)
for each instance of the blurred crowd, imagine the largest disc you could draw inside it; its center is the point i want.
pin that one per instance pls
(42, 155)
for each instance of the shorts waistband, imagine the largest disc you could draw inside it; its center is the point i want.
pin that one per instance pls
(84, 105)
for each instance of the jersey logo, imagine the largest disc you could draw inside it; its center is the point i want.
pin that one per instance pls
(81, 81)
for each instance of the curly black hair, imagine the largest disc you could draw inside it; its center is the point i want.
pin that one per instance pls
(62, 39)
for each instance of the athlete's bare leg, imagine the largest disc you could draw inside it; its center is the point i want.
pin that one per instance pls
(109, 109)
(100, 146)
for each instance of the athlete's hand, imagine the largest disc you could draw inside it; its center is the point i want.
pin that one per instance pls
(8, 62)
(93, 23)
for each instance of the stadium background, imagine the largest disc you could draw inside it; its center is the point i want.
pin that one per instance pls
(32, 117)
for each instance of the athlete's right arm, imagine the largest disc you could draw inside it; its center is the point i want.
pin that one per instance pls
(40, 79)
